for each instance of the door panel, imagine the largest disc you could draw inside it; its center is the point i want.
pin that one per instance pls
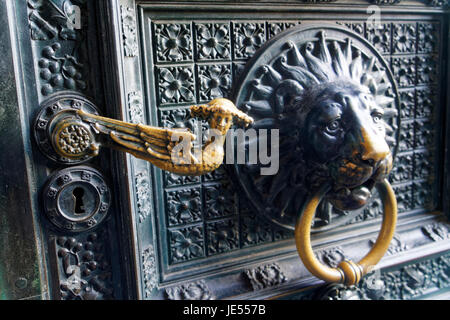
(180, 237)
(222, 231)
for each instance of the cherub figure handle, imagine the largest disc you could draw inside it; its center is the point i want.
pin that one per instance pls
(72, 132)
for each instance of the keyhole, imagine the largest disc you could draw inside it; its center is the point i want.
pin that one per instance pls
(78, 194)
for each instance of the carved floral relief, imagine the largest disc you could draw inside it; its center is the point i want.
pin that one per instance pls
(86, 269)
(186, 243)
(174, 42)
(213, 41)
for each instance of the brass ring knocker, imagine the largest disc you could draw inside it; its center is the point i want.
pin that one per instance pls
(347, 272)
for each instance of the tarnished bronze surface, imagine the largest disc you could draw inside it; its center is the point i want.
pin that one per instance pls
(333, 102)
(180, 237)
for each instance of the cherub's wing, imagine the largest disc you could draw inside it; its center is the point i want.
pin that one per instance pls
(144, 141)
(173, 145)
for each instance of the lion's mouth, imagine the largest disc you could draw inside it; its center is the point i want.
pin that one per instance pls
(361, 193)
(352, 198)
(354, 183)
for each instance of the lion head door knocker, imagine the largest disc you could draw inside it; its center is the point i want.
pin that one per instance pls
(334, 102)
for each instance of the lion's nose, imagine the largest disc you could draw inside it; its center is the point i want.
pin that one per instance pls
(373, 147)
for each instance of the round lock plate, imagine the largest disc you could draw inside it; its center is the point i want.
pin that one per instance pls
(76, 199)
(73, 138)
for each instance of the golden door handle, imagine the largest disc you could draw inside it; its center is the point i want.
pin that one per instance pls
(347, 272)
(68, 130)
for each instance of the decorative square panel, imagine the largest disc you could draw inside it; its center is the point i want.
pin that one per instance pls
(255, 231)
(357, 27)
(404, 37)
(404, 196)
(427, 69)
(425, 102)
(216, 175)
(380, 36)
(222, 236)
(423, 165)
(428, 37)
(220, 200)
(186, 244)
(248, 37)
(403, 169)
(172, 179)
(406, 136)
(181, 118)
(213, 41)
(61, 70)
(173, 42)
(424, 134)
(423, 195)
(176, 84)
(404, 70)
(407, 102)
(184, 206)
(86, 269)
(214, 81)
(177, 118)
(274, 28)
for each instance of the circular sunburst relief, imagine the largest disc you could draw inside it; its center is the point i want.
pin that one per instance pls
(303, 83)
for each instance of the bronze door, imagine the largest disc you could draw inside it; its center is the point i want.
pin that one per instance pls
(116, 227)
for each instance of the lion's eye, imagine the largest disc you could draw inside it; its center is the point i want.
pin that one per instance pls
(333, 126)
(377, 116)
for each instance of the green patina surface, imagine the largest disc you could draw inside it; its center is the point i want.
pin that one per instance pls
(3, 289)
(19, 271)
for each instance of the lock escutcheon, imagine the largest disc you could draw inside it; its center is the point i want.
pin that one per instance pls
(76, 199)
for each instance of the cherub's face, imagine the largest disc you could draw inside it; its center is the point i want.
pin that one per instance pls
(221, 122)
(345, 130)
